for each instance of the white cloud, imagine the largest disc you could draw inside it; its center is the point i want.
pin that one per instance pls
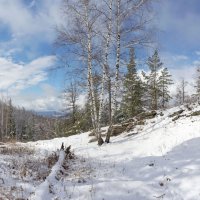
(48, 100)
(41, 103)
(29, 25)
(23, 21)
(180, 57)
(197, 53)
(15, 77)
(170, 59)
(196, 63)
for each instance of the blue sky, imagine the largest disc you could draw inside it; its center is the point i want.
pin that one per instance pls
(27, 32)
(179, 36)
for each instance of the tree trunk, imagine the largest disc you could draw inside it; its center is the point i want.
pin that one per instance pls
(91, 87)
(108, 70)
(108, 134)
(101, 98)
(117, 57)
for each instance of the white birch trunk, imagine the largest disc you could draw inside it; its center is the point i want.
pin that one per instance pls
(117, 57)
(91, 86)
(106, 72)
(90, 78)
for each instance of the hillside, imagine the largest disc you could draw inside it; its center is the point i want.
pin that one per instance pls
(161, 161)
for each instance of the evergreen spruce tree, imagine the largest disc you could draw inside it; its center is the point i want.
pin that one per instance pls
(11, 121)
(152, 80)
(164, 82)
(132, 99)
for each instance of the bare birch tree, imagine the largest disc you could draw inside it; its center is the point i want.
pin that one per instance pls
(131, 22)
(130, 29)
(181, 92)
(106, 32)
(71, 95)
(82, 36)
(99, 32)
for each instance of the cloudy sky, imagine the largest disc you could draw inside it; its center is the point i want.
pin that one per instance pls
(27, 32)
(179, 36)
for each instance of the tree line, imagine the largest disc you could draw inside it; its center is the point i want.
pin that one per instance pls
(18, 124)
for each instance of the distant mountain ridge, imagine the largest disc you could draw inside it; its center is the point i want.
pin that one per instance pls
(51, 113)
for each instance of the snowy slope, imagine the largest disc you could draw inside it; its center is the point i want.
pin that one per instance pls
(161, 162)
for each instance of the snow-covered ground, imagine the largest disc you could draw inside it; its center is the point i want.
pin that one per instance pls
(162, 161)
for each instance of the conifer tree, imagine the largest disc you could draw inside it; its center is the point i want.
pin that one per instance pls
(152, 80)
(164, 82)
(132, 100)
(11, 120)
